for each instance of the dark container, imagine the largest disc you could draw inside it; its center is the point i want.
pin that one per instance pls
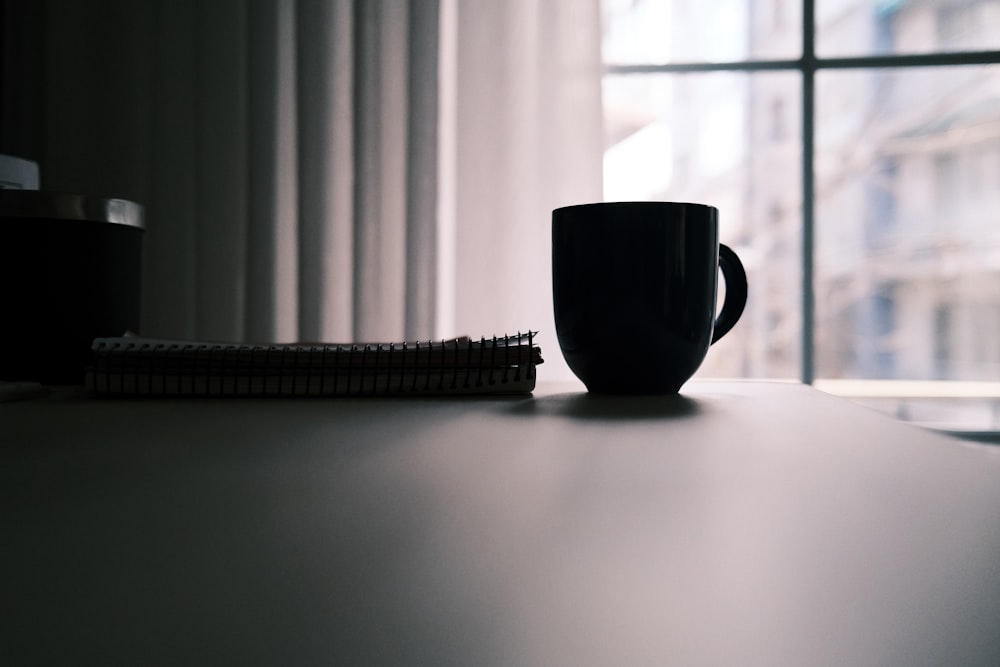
(70, 271)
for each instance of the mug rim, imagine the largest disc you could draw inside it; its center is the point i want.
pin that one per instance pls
(638, 204)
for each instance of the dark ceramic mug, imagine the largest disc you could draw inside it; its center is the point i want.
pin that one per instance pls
(634, 288)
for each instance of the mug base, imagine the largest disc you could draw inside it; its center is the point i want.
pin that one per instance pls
(633, 390)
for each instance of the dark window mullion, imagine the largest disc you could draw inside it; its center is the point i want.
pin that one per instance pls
(809, 64)
(691, 68)
(911, 60)
(816, 63)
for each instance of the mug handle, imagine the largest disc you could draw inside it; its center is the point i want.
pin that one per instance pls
(736, 291)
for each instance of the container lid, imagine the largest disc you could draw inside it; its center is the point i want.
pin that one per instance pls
(67, 206)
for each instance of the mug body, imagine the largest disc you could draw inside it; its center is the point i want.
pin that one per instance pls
(634, 289)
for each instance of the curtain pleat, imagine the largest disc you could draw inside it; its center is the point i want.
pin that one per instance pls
(170, 282)
(272, 192)
(222, 166)
(528, 104)
(380, 132)
(325, 73)
(422, 205)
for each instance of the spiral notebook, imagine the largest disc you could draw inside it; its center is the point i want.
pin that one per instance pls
(136, 366)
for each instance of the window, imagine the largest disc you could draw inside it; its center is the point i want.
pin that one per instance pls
(850, 148)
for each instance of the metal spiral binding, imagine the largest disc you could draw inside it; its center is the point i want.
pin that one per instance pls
(166, 368)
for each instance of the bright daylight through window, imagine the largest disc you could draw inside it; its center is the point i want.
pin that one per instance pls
(853, 149)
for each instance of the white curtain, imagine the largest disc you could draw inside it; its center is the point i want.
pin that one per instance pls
(528, 139)
(320, 170)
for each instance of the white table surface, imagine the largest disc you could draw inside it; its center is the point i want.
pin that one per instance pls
(742, 523)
